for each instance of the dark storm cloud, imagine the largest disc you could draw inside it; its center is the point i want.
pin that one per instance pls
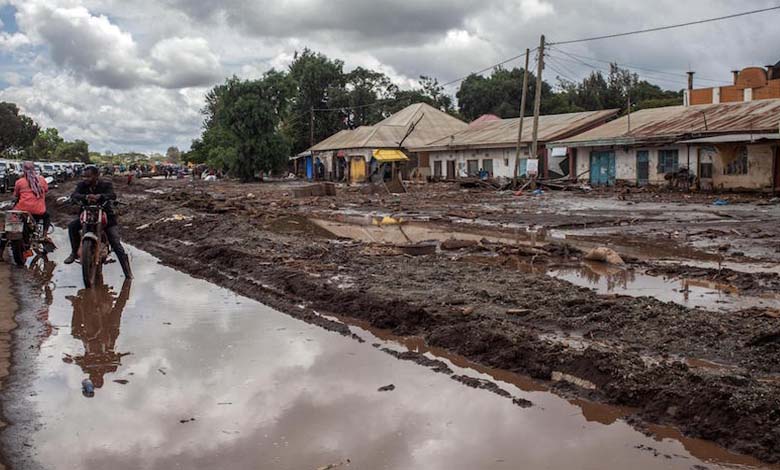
(401, 21)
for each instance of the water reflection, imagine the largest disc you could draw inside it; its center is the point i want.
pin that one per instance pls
(97, 317)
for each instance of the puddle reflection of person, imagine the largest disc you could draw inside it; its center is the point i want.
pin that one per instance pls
(96, 321)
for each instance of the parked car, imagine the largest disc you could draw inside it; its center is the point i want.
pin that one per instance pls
(9, 173)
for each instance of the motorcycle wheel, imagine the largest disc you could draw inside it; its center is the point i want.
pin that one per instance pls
(89, 263)
(17, 248)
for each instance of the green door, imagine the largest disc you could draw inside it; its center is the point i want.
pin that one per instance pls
(602, 168)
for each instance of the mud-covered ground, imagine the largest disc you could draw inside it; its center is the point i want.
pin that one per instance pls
(713, 373)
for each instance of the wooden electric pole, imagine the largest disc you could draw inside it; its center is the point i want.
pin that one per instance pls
(522, 114)
(311, 127)
(537, 104)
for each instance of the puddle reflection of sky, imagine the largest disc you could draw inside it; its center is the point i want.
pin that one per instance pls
(268, 391)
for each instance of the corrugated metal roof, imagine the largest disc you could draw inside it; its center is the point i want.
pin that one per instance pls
(389, 132)
(727, 138)
(503, 132)
(672, 123)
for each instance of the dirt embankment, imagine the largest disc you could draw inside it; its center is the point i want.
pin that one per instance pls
(638, 352)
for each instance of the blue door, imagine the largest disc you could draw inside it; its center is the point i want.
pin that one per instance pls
(523, 167)
(602, 168)
(309, 168)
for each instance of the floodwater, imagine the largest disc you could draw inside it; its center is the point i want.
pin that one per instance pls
(190, 375)
(693, 293)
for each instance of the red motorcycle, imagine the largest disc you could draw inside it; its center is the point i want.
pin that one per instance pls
(94, 249)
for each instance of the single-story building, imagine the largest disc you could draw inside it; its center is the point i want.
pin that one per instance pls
(726, 146)
(356, 154)
(490, 145)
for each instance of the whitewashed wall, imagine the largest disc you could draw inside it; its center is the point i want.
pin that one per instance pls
(625, 162)
(503, 160)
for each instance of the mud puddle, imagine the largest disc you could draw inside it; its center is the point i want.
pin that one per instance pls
(190, 375)
(693, 293)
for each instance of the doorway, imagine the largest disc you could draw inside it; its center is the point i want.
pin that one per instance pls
(450, 169)
(642, 167)
(602, 168)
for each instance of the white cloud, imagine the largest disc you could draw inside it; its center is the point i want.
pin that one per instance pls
(97, 50)
(11, 42)
(126, 75)
(145, 118)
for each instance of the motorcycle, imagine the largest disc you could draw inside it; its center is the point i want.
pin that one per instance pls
(26, 236)
(94, 250)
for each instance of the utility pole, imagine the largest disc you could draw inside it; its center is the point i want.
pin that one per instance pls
(311, 127)
(522, 114)
(537, 105)
(628, 94)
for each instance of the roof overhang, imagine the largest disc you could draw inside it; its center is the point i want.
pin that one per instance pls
(733, 138)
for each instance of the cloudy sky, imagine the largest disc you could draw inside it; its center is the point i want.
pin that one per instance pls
(131, 74)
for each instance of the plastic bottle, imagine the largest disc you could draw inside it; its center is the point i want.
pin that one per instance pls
(87, 388)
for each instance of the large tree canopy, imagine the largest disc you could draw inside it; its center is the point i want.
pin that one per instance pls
(17, 131)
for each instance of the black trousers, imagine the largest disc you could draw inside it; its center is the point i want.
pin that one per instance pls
(112, 232)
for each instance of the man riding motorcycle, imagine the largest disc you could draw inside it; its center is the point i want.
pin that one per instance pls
(94, 190)
(30, 195)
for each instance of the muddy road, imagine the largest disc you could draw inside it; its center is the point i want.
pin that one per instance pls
(685, 335)
(191, 375)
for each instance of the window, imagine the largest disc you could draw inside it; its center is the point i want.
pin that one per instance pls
(706, 171)
(738, 166)
(506, 162)
(667, 161)
(487, 165)
(437, 169)
(472, 167)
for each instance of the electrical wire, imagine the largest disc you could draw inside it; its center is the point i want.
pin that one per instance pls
(636, 67)
(664, 28)
(679, 82)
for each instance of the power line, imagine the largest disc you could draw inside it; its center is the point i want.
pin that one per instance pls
(636, 67)
(663, 28)
(487, 68)
(678, 82)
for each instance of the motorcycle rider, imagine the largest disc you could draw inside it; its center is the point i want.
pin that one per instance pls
(94, 190)
(30, 195)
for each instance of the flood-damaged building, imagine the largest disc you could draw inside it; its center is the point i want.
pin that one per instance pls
(354, 154)
(721, 145)
(490, 144)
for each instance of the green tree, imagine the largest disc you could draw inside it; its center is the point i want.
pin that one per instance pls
(500, 94)
(173, 154)
(318, 80)
(45, 145)
(17, 131)
(76, 151)
(242, 126)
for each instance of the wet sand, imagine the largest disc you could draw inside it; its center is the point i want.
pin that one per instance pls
(191, 375)
(8, 308)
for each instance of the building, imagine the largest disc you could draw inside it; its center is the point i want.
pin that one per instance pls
(490, 144)
(354, 154)
(752, 83)
(725, 146)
